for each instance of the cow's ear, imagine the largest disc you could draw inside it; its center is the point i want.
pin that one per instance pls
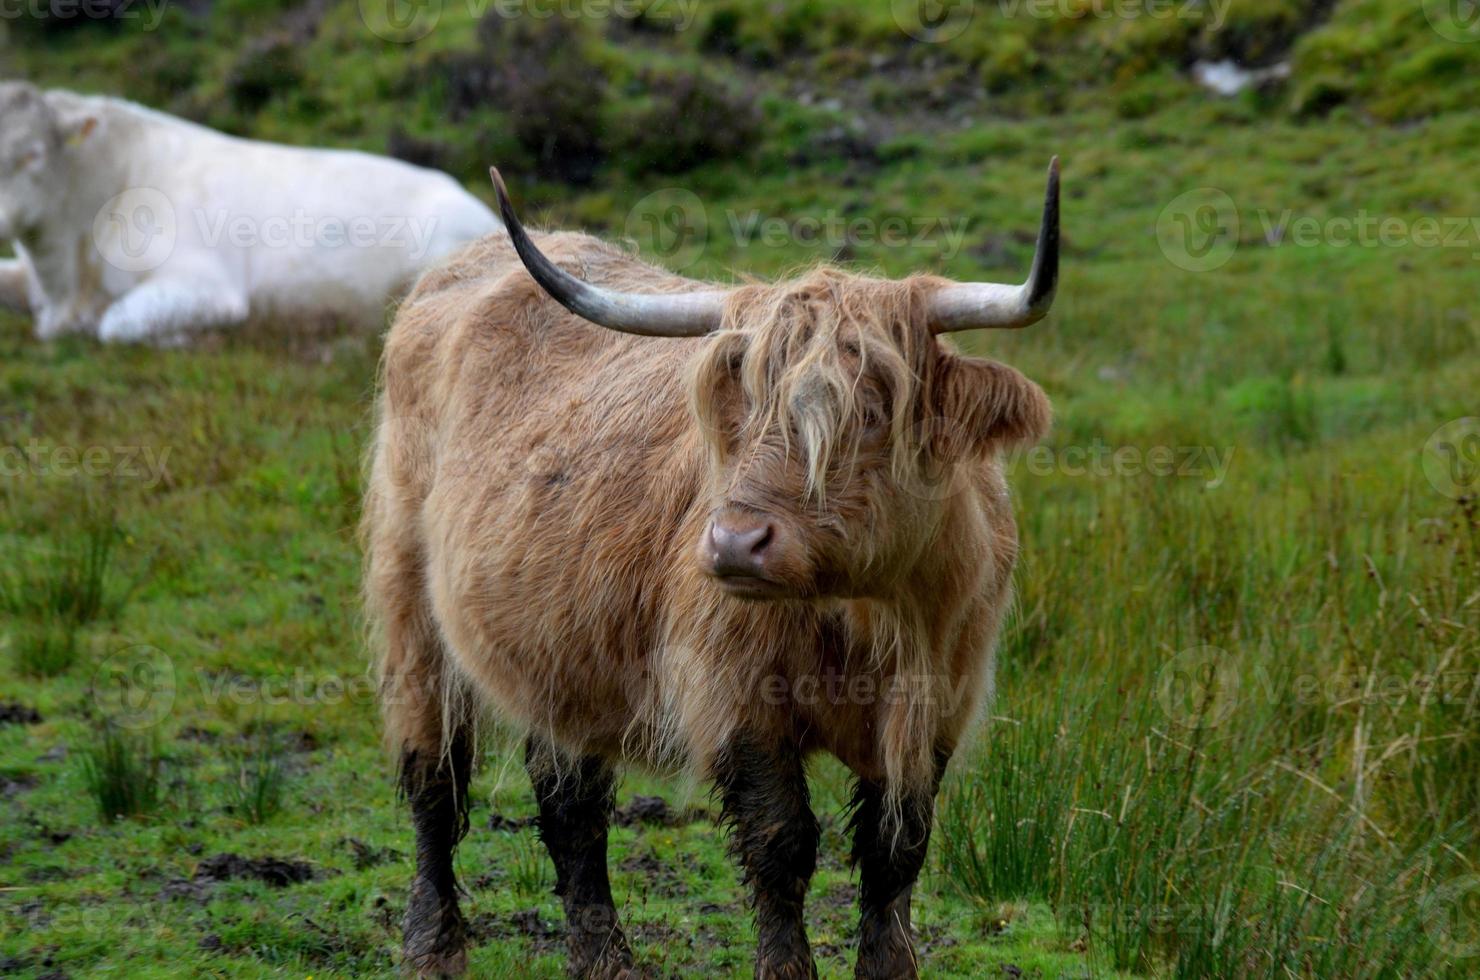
(78, 128)
(983, 404)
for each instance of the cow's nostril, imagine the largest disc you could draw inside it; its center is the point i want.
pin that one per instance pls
(740, 550)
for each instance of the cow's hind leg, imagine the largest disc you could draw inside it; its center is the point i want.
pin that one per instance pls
(576, 798)
(434, 932)
(427, 721)
(764, 794)
(15, 286)
(888, 854)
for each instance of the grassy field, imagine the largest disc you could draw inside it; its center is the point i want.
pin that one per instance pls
(1237, 725)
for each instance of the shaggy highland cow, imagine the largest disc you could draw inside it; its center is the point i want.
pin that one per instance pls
(656, 522)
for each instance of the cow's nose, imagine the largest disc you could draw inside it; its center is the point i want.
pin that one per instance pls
(740, 548)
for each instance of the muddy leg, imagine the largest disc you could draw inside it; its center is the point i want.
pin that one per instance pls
(764, 793)
(888, 864)
(437, 789)
(576, 797)
(435, 760)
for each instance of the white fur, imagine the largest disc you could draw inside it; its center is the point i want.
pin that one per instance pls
(212, 231)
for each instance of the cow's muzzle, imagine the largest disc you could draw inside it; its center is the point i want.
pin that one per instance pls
(739, 551)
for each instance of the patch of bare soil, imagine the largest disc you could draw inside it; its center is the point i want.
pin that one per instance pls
(548, 937)
(219, 868)
(654, 811)
(366, 855)
(509, 825)
(15, 713)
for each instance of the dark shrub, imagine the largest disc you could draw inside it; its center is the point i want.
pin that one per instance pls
(268, 66)
(686, 120)
(542, 77)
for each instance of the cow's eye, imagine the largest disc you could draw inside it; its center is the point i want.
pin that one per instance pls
(875, 427)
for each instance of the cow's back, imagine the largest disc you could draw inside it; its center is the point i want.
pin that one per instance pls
(552, 468)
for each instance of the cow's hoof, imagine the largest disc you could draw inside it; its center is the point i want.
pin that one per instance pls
(895, 965)
(435, 935)
(607, 958)
(438, 966)
(789, 970)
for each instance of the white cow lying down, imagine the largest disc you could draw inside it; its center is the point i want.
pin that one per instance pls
(132, 224)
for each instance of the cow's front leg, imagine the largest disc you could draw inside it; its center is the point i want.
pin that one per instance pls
(576, 797)
(436, 786)
(167, 309)
(888, 854)
(764, 793)
(15, 286)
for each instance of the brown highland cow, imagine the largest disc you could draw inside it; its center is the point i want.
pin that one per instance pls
(705, 529)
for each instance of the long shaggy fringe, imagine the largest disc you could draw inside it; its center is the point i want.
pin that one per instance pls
(791, 346)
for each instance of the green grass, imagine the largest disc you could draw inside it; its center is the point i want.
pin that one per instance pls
(122, 774)
(1236, 728)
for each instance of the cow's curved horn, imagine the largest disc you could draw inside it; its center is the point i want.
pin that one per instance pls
(649, 314)
(982, 305)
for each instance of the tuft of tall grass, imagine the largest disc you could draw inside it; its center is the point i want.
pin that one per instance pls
(122, 772)
(72, 580)
(1241, 736)
(45, 649)
(55, 594)
(529, 871)
(258, 779)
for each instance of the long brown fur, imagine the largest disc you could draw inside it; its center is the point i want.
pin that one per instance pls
(539, 486)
